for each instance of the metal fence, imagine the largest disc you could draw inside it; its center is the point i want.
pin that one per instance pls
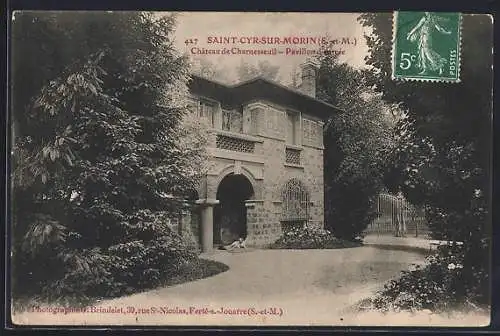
(396, 216)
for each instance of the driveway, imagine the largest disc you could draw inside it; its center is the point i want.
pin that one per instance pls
(277, 287)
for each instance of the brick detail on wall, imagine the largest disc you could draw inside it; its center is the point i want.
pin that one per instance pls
(262, 225)
(235, 144)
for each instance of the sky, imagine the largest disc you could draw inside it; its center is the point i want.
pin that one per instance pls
(203, 26)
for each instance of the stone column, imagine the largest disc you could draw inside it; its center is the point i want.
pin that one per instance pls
(207, 224)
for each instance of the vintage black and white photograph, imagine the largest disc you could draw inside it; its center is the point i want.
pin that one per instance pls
(250, 168)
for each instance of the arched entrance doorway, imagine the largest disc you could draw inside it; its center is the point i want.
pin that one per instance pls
(230, 215)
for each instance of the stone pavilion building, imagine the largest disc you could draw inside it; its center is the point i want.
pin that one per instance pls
(266, 172)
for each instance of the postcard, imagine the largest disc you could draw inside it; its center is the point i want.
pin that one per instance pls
(250, 168)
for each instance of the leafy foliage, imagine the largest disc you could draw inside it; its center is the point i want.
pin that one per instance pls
(443, 159)
(310, 238)
(202, 66)
(243, 72)
(103, 153)
(360, 138)
(246, 71)
(442, 284)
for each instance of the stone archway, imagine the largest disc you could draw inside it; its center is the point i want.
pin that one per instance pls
(230, 217)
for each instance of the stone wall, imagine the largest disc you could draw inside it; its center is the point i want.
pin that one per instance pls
(264, 225)
(188, 227)
(268, 172)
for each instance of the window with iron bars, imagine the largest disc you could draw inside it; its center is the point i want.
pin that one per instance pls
(292, 156)
(235, 144)
(295, 202)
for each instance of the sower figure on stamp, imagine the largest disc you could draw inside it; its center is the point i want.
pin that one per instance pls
(428, 58)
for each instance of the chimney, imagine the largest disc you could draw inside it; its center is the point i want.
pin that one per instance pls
(308, 76)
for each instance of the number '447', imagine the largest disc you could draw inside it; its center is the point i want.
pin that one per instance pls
(406, 60)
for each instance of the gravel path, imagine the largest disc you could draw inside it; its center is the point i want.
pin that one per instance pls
(307, 287)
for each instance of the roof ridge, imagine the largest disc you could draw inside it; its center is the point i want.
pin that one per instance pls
(275, 83)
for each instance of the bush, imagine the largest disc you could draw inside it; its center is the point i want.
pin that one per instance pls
(354, 209)
(88, 274)
(199, 269)
(191, 271)
(93, 192)
(444, 282)
(310, 238)
(98, 272)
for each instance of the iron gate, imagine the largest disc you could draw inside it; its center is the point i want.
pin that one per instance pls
(396, 216)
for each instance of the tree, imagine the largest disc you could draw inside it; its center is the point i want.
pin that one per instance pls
(358, 140)
(205, 68)
(246, 71)
(444, 162)
(99, 167)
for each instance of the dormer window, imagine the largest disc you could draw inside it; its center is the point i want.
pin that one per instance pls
(254, 117)
(232, 120)
(204, 109)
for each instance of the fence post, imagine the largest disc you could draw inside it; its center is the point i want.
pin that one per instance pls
(379, 217)
(416, 224)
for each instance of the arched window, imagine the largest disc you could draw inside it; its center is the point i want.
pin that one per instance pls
(295, 202)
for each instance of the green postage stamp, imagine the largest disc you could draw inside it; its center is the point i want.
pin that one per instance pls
(426, 46)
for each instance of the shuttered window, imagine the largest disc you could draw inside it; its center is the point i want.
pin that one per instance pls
(207, 111)
(292, 128)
